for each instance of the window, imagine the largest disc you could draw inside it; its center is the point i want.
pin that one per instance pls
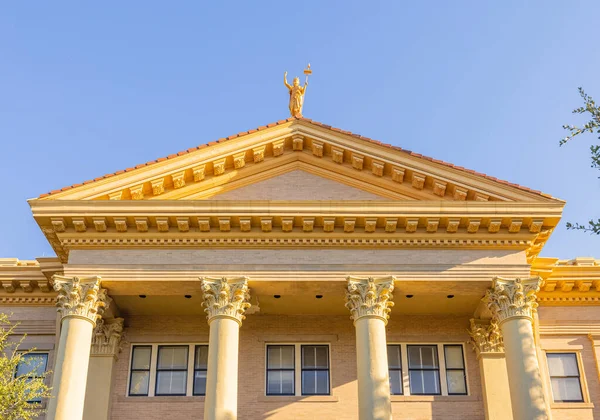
(168, 369)
(395, 365)
(280, 370)
(564, 377)
(31, 366)
(455, 370)
(297, 369)
(139, 379)
(200, 368)
(423, 370)
(315, 370)
(427, 369)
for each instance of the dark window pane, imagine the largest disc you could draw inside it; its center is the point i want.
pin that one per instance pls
(141, 357)
(280, 382)
(315, 357)
(454, 357)
(396, 382)
(32, 364)
(172, 357)
(171, 382)
(139, 383)
(201, 357)
(394, 358)
(424, 382)
(200, 382)
(456, 382)
(315, 382)
(280, 357)
(422, 357)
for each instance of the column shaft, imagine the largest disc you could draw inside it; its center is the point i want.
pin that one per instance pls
(70, 370)
(99, 388)
(372, 368)
(222, 374)
(526, 389)
(494, 383)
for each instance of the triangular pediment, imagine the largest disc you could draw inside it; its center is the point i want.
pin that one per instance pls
(235, 163)
(297, 183)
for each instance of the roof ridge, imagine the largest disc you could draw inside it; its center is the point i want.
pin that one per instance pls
(310, 121)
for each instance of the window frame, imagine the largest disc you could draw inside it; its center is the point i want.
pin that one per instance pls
(153, 369)
(298, 368)
(438, 369)
(463, 370)
(186, 370)
(442, 368)
(131, 370)
(194, 370)
(580, 377)
(400, 369)
(302, 369)
(267, 369)
(28, 377)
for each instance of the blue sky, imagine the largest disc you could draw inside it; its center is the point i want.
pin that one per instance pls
(88, 88)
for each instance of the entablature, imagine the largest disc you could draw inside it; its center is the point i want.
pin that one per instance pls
(568, 282)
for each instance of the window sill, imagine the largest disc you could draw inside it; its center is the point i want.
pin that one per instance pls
(161, 399)
(433, 398)
(298, 398)
(571, 405)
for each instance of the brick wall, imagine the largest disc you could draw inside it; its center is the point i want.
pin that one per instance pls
(259, 329)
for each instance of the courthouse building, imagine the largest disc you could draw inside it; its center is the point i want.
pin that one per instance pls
(299, 271)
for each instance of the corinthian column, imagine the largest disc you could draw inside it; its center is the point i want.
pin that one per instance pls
(80, 302)
(489, 346)
(369, 301)
(225, 301)
(106, 345)
(512, 302)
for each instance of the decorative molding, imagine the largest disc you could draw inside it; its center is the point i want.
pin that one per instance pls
(225, 297)
(137, 192)
(199, 173)
(298, 142)
(418, 181)
(460, 193)
(219, 167)
(358, 161)
(106, 338)
(398, 174)
(370, 297)
(453, 225)
(337, 155)
(183, 224)
(377, 168)
(486, 338)
(495, 225)
(513, 298)
(99, 224)
(258, 154)
(439, 187)
(411, 225)
(158, 186)
(278, 147)
(317, 148)
(80, 297)
(239, 160)
(28, 300)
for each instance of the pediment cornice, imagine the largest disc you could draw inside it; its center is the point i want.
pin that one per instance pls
(197, 174)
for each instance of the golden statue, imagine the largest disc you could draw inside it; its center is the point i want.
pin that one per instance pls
(297, 93)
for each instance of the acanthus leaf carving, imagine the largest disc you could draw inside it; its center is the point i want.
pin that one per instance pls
(369, 297)
(486, 338)
(513, 298)
(106, 338)
(80, 297)
(225, 297)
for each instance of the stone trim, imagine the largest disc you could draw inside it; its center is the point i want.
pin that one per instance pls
(513, 298)
(225, 297)
(80, 297)
(486, 338)
(106, 338)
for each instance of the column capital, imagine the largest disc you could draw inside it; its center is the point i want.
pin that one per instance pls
(80, 297)
(225, 297)
(106, 338)
(486, 338)
(370, 297)
(513, 298)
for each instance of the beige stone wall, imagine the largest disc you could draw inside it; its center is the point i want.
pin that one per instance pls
(297, 185)
(567, 328)
(260, 329)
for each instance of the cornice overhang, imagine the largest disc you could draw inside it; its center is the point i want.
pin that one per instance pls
(568, 282)
(205, 223)
(28, 282)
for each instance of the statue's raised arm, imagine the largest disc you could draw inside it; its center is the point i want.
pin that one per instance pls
(285, 81)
